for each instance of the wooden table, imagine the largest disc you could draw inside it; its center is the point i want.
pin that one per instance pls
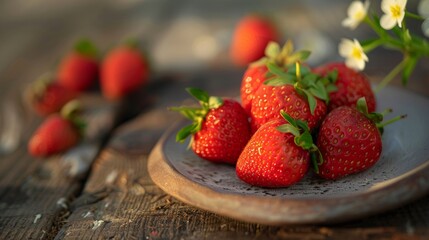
(115, 198)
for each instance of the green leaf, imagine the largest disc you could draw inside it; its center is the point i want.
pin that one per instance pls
(288, 118)
(287, 48)
(319, 91)
(331, 88)
(375, 117)
(362, 106)
(305, 140)
(312, 103)
(272, 50)
(86, 47)
(288, 128)
(303, 125)
(279, 81)
(188, 112)
(259, 62)
(273, 68)
(199, 94)
(332, 76)
(313, 158)
(408, 69)
(309, 79)
(185, 132)
(304, 54)
(215, 102)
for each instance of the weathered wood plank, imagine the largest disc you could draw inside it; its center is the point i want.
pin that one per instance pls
(34, 193)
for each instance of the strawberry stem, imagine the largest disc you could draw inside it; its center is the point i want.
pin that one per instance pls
(390, 121)
(71, 111)
(386, 111)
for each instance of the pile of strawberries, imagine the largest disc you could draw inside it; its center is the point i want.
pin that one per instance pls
(291, 116)
(122, 71)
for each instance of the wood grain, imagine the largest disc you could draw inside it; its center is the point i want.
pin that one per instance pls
(35, 194)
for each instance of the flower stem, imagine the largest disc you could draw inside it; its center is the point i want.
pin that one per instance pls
(368, 48)
(391, 75)
(415, 16)
(374, 27)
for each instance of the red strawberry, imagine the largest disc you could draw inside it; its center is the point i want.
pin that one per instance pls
(124, 70)
(256, 73)
(47, 96)
(251, 36)
(252, 80)
(220, 129)
(293, 94)
(55, 135)
(349, 140)
(78, 70)
(277, 155)
(351, 86)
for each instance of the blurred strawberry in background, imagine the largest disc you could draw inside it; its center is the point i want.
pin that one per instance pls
(123, 70)
(47, 96)
(78, 70)
(251, 36)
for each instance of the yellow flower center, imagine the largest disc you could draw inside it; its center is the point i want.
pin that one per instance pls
(356, 53)
(395, 10)
(359, 15)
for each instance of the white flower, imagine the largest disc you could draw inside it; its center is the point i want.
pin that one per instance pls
(353, 53)
(394, 12)
(356, 12)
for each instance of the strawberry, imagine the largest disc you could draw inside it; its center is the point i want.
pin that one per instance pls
(78, 70)
(297, 91)
(252, 80)
(56, 134)
(48, 96)
(124, 70)
(278, 154)
(220, 127)
(351, 86)
(251, 36)
(349, 140)
(256, 73)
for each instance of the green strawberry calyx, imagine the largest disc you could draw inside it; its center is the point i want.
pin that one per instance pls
(38, 88)
(72, 112)
(196, 114)
(376, 118)
(86, 48)
(283, 56)
(305, 82)
(302, 137)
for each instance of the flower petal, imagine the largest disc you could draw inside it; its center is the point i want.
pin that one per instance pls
(402, 3)
(387, 22)
(345, 47)
(349, 23)
(355, 64)
(354, 7)
(386, 4)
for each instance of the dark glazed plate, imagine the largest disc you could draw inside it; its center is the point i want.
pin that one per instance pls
(402, 174)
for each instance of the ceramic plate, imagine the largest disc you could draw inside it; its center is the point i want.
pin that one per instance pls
(402, 174)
